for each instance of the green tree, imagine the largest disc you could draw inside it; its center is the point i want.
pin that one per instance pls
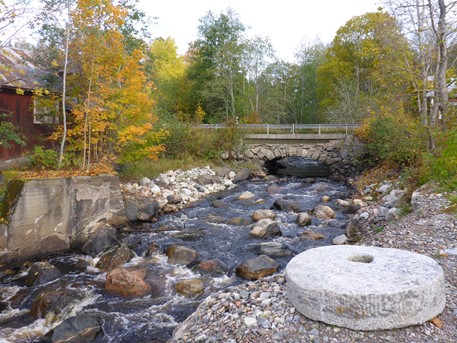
(215, 71)
(167, 70)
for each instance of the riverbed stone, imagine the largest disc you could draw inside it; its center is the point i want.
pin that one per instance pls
(365, 288)
(324, 212)
(265, 228)
(273, 249)
(242, 175)
(81, 328)
(256, 268)
(179, 254)
(246, 196)
(127, 283)
(115, 257)
(41, 272)
(303, 219)
(103, 237)
(262, 214)
(286, 205)
(190, 288)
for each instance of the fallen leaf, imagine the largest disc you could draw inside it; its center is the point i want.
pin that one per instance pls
(437, 322)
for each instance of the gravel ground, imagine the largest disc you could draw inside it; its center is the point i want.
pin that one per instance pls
(259, 311)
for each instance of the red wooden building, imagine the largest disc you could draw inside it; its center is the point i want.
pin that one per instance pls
(18, 79)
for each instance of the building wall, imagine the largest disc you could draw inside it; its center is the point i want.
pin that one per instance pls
(21, 110)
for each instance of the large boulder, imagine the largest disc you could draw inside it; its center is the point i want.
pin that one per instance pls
(127, 283)
(103, 237)
(257, 268)
(263, 214)
(83, 328)
(179, 254)
(41, 272)
(115, 257)
(324, 212)
(265, 228)
(190, 288)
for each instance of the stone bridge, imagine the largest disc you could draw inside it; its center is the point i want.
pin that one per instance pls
(344, 156)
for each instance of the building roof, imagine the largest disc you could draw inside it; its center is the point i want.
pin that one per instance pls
(17, 71)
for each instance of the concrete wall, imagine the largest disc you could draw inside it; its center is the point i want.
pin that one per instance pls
(51, 215)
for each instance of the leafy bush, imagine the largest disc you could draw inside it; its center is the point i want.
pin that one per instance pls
(441, 165)
(395, 139)
(10, 133)
(42, 158)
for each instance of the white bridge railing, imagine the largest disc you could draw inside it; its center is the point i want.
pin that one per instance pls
(292, 128)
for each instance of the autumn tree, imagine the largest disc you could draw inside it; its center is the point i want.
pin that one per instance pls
(363, 68)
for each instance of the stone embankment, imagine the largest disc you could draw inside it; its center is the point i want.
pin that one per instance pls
(260, 312)
(174, 190)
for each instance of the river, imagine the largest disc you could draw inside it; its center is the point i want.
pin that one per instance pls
(218, 233)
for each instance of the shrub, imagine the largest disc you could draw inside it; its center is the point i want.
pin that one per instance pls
(42, 158)
(441, 165)
(395, 139)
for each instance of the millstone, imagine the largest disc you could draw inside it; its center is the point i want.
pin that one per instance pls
(365, 288)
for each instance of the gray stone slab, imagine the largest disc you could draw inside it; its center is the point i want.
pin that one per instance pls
(365, 288)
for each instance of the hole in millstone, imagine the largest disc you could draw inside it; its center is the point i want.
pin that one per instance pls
(361, 258)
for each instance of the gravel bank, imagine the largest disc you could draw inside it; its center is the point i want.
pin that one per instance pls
(259, 311)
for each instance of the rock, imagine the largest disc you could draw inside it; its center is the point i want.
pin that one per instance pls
(149, 211)
(384, 188)
(211, 267)
(393, 214)
(303, 219)
(174, 199)
(101, 238)
(153, 249)
(274, 189)
(223, 172)
(41, 272)
(219, 204)
(311, 235)
(83, 328)
(325, 198)
(246, 195)
(191, 288)
(359, 202)
(145, 182)
(348, 285)
(52, 304)
(324, 212)
(215, 219)
(355, 229)
(273, 249)
(190, 234)
(265, 228)
(342, 203)
(115, 257)
(127, 283)
(179, 254)
(231, 175)
(286, 205)
(339, 240)
(239, 221)
(205, 180)
(242, 175)
(54, 244)
(131, 210)
(256, 268)
(394, 198)
(262, 214)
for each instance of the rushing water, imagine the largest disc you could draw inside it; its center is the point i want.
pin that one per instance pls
(201, 227)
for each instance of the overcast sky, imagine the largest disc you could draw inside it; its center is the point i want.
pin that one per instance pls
(286, 22)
